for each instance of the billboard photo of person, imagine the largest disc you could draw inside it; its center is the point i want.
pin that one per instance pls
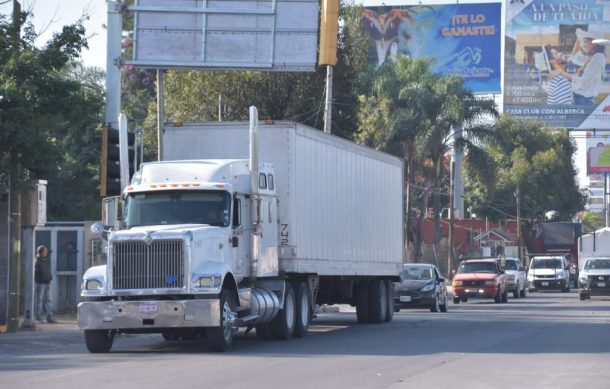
(559, 89)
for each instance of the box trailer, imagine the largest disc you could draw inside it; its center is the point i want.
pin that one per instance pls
(247, 225)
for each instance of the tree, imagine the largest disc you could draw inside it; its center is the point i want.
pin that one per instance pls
(591, 221)
(49, 112)
(528, 160)
(411, 113)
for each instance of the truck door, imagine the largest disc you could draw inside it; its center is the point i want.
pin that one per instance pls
(241, 240)
(268, 263)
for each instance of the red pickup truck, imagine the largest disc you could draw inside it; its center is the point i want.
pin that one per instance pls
(480, 278)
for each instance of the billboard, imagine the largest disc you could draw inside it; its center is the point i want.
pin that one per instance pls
(598, 159)
(277, 35)
(462, 39)
(553, 71)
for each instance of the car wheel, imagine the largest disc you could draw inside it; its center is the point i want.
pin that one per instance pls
(583, 297)
(443, 306)
(456, 300)
(505, 296)
(435, 305)
(516, 292)
(99, 341)
(522, 293)
(498, 297)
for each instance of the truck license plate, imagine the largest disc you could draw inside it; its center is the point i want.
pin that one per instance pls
(405, 299)
(601, 284)
(545, 284)
(148, 308)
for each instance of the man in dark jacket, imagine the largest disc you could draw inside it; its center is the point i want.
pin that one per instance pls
(43, 277)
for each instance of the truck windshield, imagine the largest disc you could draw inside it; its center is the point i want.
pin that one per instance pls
(178, 207)
(477, 267)
(546, 264)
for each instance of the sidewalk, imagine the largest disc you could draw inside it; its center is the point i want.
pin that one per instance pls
(65, 321)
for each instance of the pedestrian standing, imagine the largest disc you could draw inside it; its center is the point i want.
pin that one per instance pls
(42, 278)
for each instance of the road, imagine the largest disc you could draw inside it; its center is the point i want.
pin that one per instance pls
(547, 340)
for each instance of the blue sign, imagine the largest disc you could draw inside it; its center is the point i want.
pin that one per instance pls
(462, 39)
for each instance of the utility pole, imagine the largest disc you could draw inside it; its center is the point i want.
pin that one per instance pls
(519, 246)
(14, 211)
(160, 113)
(450, 232)
(329, 24)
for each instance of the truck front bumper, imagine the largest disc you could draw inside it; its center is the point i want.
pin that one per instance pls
(115, 315)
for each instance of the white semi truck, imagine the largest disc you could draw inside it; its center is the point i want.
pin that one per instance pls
(213, 237)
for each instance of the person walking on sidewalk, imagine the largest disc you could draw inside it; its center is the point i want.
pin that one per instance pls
(43, 277)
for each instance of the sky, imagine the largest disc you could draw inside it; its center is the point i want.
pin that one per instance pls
(51, 15)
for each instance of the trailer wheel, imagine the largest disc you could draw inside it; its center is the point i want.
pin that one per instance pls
(99, 341)
(282, 326)
(361, 297)
(389, 287)
(221, 338)
(303, 308)
(378, 297)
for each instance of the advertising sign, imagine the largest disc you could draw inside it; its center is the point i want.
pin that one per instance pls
(556, 62)
(598, 160)
(274, 35)
(462, 39)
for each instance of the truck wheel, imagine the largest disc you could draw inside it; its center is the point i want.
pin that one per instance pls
(456, 300)
(378, 303)
(389, 287)
(505, 296)
(516, 291)
(583, 297)
(99, 341)
(303, 308)
(361, 297)
(221, 338)
(282, 326)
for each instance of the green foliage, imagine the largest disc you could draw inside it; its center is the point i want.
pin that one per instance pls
(591, 221)
(536, 162)
(49, 111)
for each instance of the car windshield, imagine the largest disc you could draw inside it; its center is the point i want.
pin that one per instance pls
(178, 207)
(477, 267)
(597, 264)
(510, 265)
(546, 263)
(417, 273)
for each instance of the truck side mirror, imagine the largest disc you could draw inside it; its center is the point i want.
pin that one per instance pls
(112, 212)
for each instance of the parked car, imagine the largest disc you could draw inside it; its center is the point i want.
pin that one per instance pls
(420, 286)
(594, 279)
(517, 276)
(480, 278)
(549, 272)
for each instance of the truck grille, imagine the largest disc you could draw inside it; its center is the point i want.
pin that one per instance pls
(138, 266)
(473, 283)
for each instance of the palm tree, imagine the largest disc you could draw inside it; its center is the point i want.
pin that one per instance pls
(411, 113)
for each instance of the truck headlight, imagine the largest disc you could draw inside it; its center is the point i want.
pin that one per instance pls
(208, 282)
(92, 284)
(457, 283)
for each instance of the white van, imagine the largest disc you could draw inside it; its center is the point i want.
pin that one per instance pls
(549, 272)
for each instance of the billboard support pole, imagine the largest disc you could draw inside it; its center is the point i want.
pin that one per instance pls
(606, 205)
(329, 97)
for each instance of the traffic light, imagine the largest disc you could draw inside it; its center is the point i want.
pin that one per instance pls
(110, 181)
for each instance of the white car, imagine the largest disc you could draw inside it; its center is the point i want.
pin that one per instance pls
(549, 272)
(594, 279)
(517, 277)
